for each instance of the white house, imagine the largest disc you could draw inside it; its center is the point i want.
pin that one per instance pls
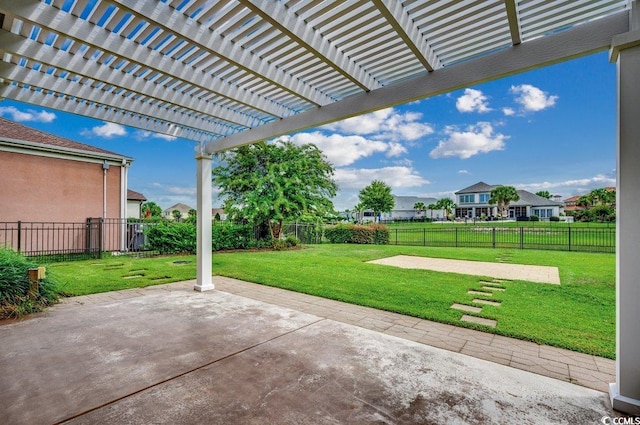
(184, 211)
(134, 203)
(473, 202)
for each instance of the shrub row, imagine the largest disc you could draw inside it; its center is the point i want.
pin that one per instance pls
(17, 296)
(353, 233)
(173, 237)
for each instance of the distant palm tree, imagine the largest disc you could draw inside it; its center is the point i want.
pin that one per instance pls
(503, 196)
(447, 205)
(419, 207)
(431, 208)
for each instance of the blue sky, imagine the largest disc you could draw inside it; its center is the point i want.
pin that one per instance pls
(549, 129)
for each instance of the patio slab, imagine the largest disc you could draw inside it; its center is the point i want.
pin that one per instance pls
(169, 354)
(539, 274)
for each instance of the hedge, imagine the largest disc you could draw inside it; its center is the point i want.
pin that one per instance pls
(355, 233)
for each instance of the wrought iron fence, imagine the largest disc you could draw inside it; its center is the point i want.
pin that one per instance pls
(545, 238)
(56, 241)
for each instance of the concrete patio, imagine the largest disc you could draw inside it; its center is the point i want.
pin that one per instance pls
(247, 353)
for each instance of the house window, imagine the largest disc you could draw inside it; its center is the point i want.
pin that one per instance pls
(467, 199)
(484, 198)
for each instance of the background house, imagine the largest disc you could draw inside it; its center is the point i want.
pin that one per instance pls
(183, 208)
(134, 204)
(45, 178)
(403, 209)
(473, 202)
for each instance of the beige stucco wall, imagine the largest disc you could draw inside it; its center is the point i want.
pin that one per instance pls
(36, 188)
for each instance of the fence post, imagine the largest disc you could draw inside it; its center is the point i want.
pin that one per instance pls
(569, 238)
(424, 236)
(396, 236)
(456, 236)
(19, 236)
(100, 236)
(493, 237)
(521, 237)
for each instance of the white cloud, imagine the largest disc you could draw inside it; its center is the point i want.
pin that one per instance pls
(107, 130)
(508, 111)
(463, 172)
(28, 115)
(572, 186)
(143, 134)
(345, 150)
(386, 124)
(476, 139)
(531, 98)
(472, 101)
(396, 177)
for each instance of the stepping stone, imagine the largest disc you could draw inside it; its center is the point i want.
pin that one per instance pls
(501, 281)
(487, 302)
(479, 320)
(135, 276)
(493, 288)
(484, 282)
(486, 294)
(466, 308)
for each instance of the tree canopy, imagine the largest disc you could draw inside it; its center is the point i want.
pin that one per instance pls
(151, 209)
(503, 196)
(544, 194)
(419, 207)
(377, 197)
(268, 183)
(447, 205)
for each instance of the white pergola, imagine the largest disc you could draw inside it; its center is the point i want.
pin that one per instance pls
(225, 73)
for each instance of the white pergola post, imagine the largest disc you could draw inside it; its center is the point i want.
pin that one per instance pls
(625, 392)
(203, 282)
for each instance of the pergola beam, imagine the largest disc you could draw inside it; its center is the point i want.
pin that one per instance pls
(579, 41)
(514, 22)
(279, 17)
(393, 11)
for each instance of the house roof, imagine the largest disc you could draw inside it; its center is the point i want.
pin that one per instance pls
(183, 208)
(531, 199)
(405, 203)
(478, 187)
(13, 133)
(132, 195)
(572, 199)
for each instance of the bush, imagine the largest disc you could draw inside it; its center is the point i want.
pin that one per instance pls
(171, 237)
(16, 295)
(232, 236)
(554, 218)
(374, 234)
(534, 218)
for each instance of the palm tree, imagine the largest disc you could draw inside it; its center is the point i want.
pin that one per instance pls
(502, 196)
(447, 205)
(432, 207)
(419, 207)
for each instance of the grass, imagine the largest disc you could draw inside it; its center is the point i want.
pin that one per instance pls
(578, 315)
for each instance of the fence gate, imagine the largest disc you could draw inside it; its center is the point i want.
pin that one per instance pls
(94, 232)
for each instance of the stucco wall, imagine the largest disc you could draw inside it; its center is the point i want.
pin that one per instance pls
(35, 188)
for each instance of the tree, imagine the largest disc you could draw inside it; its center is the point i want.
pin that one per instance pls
(267, 183)
(151, 209)
(544, 194)
(419, 207)
(359, 210)
(192, 216)
(447, 205)
(503, 196)
(432, 207)
(177, 215)
(377, 197)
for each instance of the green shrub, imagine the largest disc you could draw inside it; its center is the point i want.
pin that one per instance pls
(171, 237)
(338, 234)
(554, 218)
(233, 236)
(534, 218)
(17, 297)
(356, 233)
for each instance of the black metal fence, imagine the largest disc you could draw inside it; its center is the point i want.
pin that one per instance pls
(546, 238)
(55, 241)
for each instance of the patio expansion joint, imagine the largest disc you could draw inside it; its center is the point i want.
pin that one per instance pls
(188, 372)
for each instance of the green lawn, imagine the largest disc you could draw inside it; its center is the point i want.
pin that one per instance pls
(579, 314)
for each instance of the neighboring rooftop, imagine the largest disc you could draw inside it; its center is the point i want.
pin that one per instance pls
(406, 203)
(11, 131)
(132, 195)
(478, 187)
(183, 208)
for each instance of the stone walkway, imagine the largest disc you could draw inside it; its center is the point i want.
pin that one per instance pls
(539, 274)
(581, 369)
